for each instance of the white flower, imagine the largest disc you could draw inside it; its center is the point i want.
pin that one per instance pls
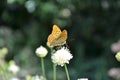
(14, 78)
(114, 72)
(82, 79)
(13, 67)
(115, 47)
(41, 51)
(62, 56)
(36, 77)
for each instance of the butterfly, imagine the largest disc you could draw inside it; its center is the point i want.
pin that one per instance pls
(57, 37)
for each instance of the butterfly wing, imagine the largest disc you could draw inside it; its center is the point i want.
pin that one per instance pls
(64, 35)
(61, 40)
(56, 31)
(54, 35)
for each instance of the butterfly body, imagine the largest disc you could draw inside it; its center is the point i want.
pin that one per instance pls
(57, 37)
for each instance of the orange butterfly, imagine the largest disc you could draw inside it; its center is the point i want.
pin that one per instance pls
(57, 37)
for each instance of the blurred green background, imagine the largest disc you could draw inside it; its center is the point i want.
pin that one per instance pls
(93, 25)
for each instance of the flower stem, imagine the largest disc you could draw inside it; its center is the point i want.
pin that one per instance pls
(66, 70)
(43, 68)
(54, 71)
(3, 73)
(51, 49)
(54, 66)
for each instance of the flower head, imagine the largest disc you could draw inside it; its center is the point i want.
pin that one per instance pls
(36, 77)
(114, 73)
(62, 56)
(41, 51)
(115, 47)
(3, 52)
(14, 78)
(82, 79)
(117, 56)
(13, 67)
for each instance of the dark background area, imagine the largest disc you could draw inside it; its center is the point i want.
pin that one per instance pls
(92, 25)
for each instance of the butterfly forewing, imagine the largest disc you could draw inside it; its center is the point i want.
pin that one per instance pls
(56, 31)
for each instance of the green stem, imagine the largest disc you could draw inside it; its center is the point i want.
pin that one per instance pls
(43, 68)
(3, 73)
(51, 49)
(54, 66)
(54, 71)
(66, 70)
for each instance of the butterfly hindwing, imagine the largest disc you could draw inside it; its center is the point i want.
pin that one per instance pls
(64, 35)
(55, 33)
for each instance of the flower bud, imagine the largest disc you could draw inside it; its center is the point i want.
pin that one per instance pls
(41, 51)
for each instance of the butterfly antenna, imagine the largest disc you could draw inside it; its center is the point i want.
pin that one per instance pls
(66, 45)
